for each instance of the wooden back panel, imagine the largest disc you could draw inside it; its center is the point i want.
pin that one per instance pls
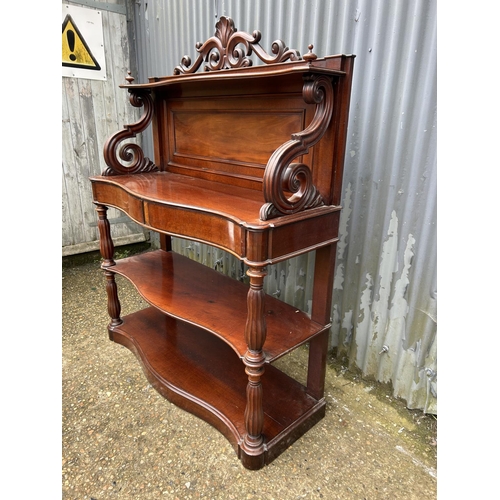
(225, 129)
(279, 129)
(229, 139)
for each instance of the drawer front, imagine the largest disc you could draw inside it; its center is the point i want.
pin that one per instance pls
(115, 196)
(183, 222)
(303, 235)
(283, 241)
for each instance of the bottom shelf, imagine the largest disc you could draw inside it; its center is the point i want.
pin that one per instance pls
(201, 374)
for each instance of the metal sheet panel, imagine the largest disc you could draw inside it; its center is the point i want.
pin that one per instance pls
(384, 311)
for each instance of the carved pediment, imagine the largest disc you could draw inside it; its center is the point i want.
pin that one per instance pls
(230, 48)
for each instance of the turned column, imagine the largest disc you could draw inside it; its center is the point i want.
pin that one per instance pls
(107, 252)
(254, 359)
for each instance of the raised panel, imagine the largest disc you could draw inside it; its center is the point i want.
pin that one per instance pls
(227, 135)
(231, 139)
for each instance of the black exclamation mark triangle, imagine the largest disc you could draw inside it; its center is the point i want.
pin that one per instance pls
(70, 35)
(75, 51)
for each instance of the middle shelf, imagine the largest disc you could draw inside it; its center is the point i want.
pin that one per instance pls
(196, 294)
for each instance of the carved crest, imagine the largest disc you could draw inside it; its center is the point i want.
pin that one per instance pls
(230, 48)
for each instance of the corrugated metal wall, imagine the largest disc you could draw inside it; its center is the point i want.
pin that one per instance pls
(384, 313)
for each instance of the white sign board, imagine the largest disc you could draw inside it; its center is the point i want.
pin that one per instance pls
(82, 43)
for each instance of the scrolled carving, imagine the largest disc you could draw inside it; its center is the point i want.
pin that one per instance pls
(230, 48)
(130, 152)
(288, 187)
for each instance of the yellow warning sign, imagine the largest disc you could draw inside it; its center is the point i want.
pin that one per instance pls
(75, 51)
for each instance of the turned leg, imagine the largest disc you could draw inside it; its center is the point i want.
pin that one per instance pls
(107, 252)
(106, 243)
(321, 311)
(254, 359)
(114, 307)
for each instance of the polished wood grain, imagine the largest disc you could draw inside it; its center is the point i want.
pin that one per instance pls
(254, 359)
(321, 310)
(107, 253)
(188, 290)
(230, 48)
(105, 242)
(288, 185)
(223, 133)
(217, 214)
(249, 159)
(234, 138)
(201, 374)
(226, 127)
(129, 158)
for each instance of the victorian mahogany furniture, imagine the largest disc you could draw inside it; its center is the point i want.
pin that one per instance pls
(248, 159)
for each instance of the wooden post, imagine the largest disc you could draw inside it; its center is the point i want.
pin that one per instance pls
(321, 310)
(165, 242)
(254, 360)
(114, 307)
(106, 243)
(107, 253)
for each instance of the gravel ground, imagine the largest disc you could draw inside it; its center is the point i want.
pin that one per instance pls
(122, 440)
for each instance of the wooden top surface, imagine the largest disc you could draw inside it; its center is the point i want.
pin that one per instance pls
(241, 205)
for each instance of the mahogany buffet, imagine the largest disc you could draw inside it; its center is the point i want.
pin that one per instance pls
(247, 158)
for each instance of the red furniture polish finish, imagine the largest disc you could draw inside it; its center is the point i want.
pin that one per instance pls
(247, 158)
